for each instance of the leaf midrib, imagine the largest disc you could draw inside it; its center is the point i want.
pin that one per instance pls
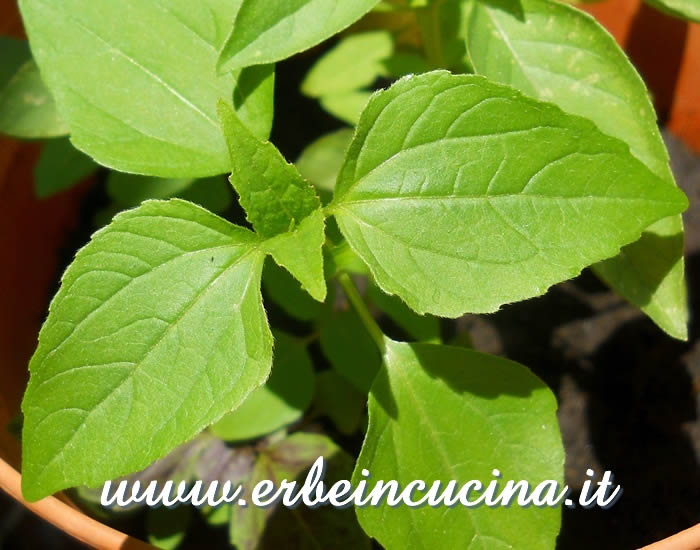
(489, 198)
(457, 139)
(437, 442)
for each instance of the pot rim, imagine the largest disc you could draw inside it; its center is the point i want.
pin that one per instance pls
(688, 539)
(67, 518)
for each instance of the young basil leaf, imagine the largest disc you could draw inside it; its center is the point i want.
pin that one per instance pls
(134, 103)
(301, 253)
(462, 195)
(590, 76)
(320, 162)
(60, 166)
(359, 55)
(341, 258)
(348, 106)
(27, 109)
(350, 350)
(441, 413)
(279, 203)
(281, 401)
(685, 9)
(158, 330)
(253, 527)
(366, 57)
(265, 32)
(275, 196)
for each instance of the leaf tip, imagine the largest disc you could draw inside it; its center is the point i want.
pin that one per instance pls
(318, 292)
(31, 489)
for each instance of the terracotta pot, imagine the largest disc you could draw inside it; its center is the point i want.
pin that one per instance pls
(685, 540)
(32, 232)
(666, 52)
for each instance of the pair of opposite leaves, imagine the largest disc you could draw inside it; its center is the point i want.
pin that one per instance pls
(160, 316)
(137, 126)
(200, 318)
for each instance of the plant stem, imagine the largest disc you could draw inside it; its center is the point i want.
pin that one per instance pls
(358, 303)
(310, 338)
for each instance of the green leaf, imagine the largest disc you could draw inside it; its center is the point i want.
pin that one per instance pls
(274, 527)
(60, 166)
(286, 292)
(253, 98)
(158, 330)
(129, 190)
(321, 161)
(348, 106)
(279, 203)
(685, 9)
(134, 103)
(281, 401)
(650, 274)
(441, 413)
(359, 55)
(365, 57)
(527, 194)
(590, 76)
(339, 401)
(342, 258)
(27, 109)
(301, 253)
(425, 328)
(167, 527)
(265, 32)
(350, 349)
(275, 196)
